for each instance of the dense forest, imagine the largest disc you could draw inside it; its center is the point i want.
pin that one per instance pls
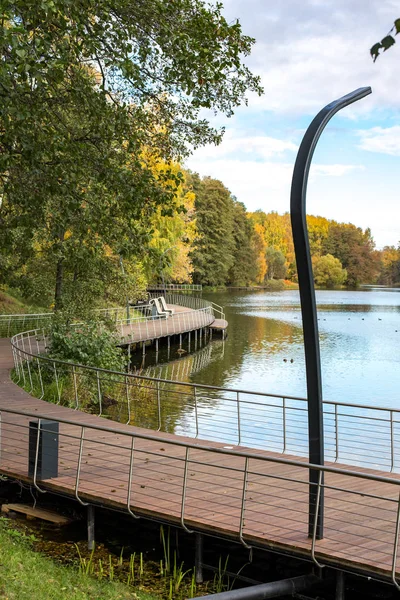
(221, 243)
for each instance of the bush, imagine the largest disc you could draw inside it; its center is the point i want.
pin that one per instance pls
(92, 343)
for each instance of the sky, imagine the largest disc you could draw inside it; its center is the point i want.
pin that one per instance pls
(309, 53)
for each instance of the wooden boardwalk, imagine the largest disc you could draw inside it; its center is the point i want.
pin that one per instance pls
(360, 514)
(183, 320)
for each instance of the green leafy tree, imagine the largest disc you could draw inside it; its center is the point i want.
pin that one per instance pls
(328, 271)
(244, 269)
(213, 255)
(276, 264)
(85, 89)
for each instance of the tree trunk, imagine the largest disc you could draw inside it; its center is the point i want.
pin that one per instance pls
(59, 284)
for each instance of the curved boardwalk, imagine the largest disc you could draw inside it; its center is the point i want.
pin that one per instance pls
(183, 320)
(203, 485)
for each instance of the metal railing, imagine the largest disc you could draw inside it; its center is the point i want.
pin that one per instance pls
(256, 498)
(354, 434)
(196, 303)
(180, 287)
(14, 323)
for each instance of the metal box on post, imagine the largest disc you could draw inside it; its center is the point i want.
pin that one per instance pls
(47, 462)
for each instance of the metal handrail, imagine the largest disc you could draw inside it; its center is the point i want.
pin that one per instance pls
(281, 419)
(177, 286)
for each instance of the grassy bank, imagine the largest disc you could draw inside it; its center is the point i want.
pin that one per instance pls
(12, 303)
(27, 575)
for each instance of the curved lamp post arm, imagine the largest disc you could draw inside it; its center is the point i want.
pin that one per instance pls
(307, 296)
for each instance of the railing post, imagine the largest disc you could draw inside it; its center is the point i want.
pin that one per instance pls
(238, 418)
(243, 505)
(35, 470)
(75, 388)
(316, 523)
(128, 499)
(196, 415)
(78, 468)
(128, 399)
(391, 441)
(159, 405)
(40, 377)
(284, 424)
(184, 492)
(29, 373)
(56, 378)
(336, 433)
(99, 393)
(307, 292)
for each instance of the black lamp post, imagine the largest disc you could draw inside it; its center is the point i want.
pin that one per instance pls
(307, 298)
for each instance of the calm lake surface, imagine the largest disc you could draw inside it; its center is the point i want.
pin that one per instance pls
(359, 339)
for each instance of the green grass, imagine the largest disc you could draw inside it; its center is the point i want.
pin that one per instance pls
(27, 575)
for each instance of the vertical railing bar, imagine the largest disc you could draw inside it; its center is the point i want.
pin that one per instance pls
(159, 405)
(336, 433)
(184, 492)
(35, 470)
(29, 373)
(391, 441)
(196, 414)
(22, 366)
(128, 399)
(75, 388)
(243, 505)
(315, 525)
(284, 423)
(99, 394)
(78, 469)
(128, 500)
(396, 545)
(40, 377)
(238, 418)
(56, 378)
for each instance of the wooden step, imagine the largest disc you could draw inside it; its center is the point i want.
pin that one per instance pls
(36, 513)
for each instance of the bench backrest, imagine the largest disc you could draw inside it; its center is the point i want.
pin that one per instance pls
(158, 308)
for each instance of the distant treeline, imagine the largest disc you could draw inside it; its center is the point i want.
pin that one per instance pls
(236, 247)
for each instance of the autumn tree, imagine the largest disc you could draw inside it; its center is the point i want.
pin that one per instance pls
(328, 271)
(173, 236)
(390, 266)
(354, 248)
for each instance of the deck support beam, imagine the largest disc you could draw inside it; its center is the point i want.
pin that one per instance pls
(198, 557)
(90, 526)
(340, 586)
(308, 303)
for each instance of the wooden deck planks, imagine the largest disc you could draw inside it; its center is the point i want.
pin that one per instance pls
(359, 530)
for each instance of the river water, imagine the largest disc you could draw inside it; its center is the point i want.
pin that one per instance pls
(264, 352)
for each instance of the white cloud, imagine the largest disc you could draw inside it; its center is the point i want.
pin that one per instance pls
(337, 170)
(312, 52)
(261, 184)
(248, 147)
(385, 140)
